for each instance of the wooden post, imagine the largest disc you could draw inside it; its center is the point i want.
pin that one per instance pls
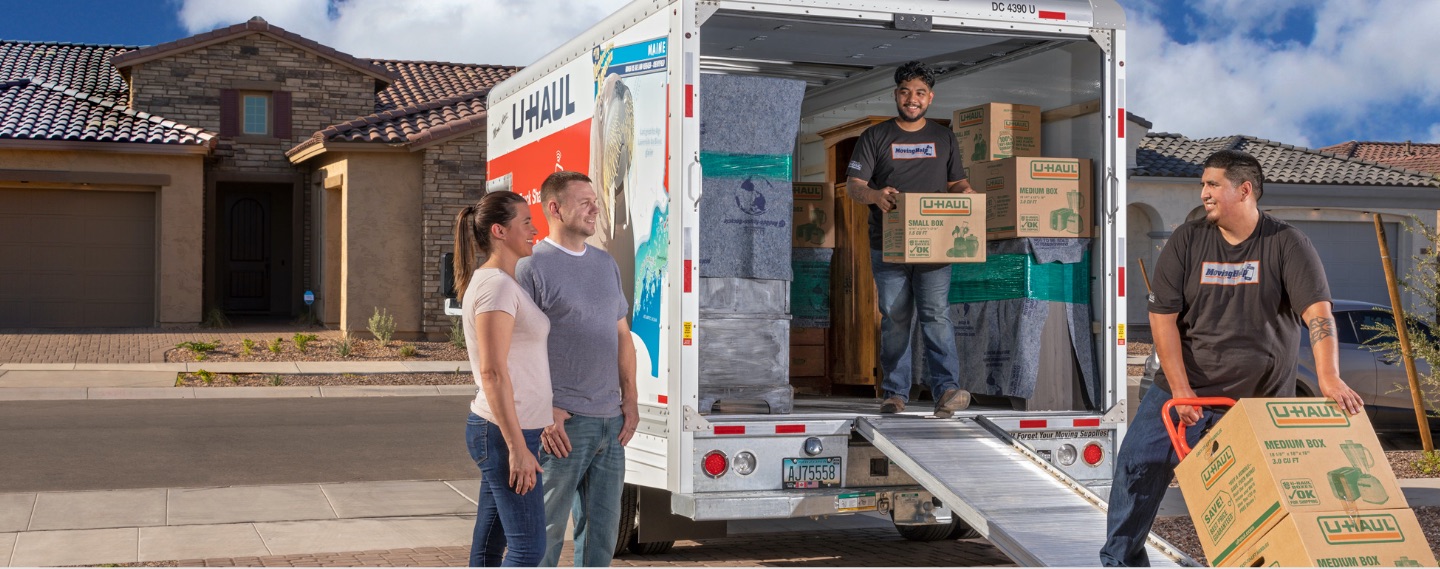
(1144, 274)
(1402, 329)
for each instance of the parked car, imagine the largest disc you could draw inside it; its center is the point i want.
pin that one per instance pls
(1378, 376)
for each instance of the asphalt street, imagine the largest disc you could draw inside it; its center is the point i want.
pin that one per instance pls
(117, 444)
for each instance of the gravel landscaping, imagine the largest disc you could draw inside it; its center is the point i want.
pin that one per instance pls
(317, 350)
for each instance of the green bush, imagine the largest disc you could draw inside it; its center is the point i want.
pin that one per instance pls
(302, 341)
(199, 349)
(215, 318)
(407, 350)
(457, 333)
(343, 347)
(1429, 463)
(276, 380)
(206, 376)
(276, 345)
(247, 346)
(382, 325)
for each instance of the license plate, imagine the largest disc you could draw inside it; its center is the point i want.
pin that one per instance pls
(811, 472)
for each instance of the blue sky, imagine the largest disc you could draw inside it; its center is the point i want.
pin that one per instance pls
(1304, 72)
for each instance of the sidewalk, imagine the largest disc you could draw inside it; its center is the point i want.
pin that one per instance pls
(64, 381)
(418, 522)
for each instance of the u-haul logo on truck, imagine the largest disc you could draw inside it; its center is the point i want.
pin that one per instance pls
(1054, 170)
(944, 206)
(548, 104)
(1292, 415)
(1367, 528)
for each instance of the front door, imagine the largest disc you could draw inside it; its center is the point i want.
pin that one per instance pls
(253, 248)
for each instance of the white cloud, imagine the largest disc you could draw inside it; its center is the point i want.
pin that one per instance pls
(1230, 80)
(1366, 60)
(508, 32)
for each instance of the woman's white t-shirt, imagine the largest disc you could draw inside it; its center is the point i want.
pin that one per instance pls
(494, 290)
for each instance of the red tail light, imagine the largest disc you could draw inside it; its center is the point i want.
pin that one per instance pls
(1093, 454)
(715, 463)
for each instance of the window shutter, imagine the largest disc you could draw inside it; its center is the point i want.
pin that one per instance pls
(229, 112)
(281, 101)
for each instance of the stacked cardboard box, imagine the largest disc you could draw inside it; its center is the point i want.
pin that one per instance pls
(814, 215)
(1035, 197)
(1307, 470)
(993, 131)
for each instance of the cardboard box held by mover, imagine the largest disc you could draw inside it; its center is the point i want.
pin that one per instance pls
(935, 228)
(997, 130)
(814, 220)
(1271, 457)
(1374, 538)
(1035, 197)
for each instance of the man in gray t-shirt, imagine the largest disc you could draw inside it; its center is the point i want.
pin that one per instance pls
(592, 371)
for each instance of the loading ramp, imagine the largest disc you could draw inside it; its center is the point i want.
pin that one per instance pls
(1034, 513)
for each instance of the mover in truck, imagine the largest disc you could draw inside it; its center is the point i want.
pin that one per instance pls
(697, 119)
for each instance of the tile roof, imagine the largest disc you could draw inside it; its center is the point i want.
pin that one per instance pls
(414, 125)
(253, 26)
(428, 101)
(1173, 155)
(418, 82)
(80, 66)
(1424, 157)
(31, 110)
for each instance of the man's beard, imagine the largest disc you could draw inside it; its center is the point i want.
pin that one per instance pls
(900, 111)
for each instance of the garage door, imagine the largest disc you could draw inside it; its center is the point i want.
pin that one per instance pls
(77, 258)
(1352, 258)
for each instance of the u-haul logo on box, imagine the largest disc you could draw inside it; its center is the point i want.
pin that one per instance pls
(1012, 124)
(809, 192)
(945, 206)
(1367, 528)
(996, 183)
(971, 117)
(1293, 415)
(1054, 169)
(1218, 467)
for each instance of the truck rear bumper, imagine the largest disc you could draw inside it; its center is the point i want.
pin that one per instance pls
(781, 504)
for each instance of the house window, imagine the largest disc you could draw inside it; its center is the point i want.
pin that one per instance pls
(255, 117)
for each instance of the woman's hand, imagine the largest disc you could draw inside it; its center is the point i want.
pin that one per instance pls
(524, 470)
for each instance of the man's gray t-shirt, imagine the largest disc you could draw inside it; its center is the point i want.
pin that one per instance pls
(925, 161)
(1239, 306)
(581, 295)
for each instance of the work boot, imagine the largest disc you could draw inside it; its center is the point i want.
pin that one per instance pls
(893, 404)
(951, 401)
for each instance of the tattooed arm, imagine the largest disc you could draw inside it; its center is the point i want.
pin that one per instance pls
(1321, 324)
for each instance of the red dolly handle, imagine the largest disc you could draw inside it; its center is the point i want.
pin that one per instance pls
(1177, 433)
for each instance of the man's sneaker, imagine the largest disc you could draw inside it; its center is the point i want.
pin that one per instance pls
(893, 404)
(950, 402)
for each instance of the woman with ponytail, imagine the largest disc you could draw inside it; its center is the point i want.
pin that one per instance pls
(505, 334)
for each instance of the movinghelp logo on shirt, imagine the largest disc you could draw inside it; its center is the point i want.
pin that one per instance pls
(1230, 274)
(912, 151)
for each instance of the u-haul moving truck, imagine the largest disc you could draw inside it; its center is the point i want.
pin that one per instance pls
(638, 71)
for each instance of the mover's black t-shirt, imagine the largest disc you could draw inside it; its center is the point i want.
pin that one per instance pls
(925, 161)
(1239, 305)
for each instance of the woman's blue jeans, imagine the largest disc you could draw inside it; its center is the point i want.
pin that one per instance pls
(502, 517)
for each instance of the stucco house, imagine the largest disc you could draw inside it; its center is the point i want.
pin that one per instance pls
(1329, 196)
(232, 170)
